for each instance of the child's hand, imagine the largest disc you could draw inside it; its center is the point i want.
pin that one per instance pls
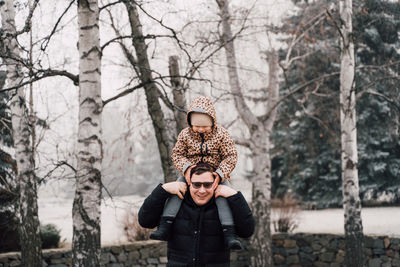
(187, 173)
(176, 188)
(224, 191)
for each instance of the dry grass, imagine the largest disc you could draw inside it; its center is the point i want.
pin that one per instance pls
(132, 230)
(285, 211)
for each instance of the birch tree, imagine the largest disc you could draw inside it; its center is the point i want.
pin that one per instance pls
(31, 253)
(260, 129)
(351, 199)
(86, 206)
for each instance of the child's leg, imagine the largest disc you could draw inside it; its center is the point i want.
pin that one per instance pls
(226, 218)
(224, 211)
(171, 208)
(173, 204)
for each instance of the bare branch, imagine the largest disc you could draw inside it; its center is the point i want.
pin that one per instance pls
(41, 74)
(315, 21)
(44, 45)
(295, 90)
(243, 143)
(118, 38)
(148, 36)
(395, 63)
(28, 21)
(57, 166)
(373, 92)
(109, 4)
(124, 93)
(293, 59)
(334, 22)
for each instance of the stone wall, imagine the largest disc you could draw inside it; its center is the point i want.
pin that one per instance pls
(329, 250)
(140, 253)
(288, 250)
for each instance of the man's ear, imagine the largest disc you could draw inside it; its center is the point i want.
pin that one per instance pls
(215, 184)
(216, 176)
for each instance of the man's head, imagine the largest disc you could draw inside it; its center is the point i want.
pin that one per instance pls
(202, 183)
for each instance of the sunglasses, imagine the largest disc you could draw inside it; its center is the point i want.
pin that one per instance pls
(197, 185)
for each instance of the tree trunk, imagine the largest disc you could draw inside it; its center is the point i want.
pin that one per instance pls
(259, 142)
(31, 252)
(86, 207)
(351, 200)
(151, 91)
(244, 111)
(178, 93)
(260, 147)
(261, 198)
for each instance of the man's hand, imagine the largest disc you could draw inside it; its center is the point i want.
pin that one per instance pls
(224, 191)
(187, 173)
(176, 188)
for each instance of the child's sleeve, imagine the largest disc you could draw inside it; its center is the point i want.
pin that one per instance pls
(228, 153)
(179, 154)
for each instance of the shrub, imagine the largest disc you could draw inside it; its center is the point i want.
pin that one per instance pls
(284, 213)
(133, 231)
(50, 235)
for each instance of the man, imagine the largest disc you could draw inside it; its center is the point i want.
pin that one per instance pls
(197, 238)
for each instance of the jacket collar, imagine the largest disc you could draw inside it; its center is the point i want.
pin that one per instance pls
(206, 135)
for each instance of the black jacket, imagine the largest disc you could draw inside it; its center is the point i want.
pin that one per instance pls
(196, 238)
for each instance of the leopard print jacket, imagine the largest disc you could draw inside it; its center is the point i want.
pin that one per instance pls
(215, 148)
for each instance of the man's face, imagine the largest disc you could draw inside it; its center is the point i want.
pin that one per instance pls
(200, 194)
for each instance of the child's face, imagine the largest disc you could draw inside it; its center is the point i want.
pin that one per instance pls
(201, 129)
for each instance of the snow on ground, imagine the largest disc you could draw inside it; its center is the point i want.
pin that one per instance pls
(376, 221)
(59, 212)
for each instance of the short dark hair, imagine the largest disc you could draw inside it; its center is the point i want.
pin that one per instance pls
(200, 168)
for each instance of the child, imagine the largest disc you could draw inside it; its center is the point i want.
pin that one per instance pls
(203, 141)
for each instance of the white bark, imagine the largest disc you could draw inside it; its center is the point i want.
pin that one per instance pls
(261, 199)
(28, 210)
(260, 146)
(260, 132)
(244, 111)
(273, 89)
(86, 207)
(351, 199)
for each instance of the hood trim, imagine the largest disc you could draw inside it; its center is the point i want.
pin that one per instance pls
(199, 110)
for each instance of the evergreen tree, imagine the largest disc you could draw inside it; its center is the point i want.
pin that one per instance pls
(378, 43)
(7, 164)
(8, 188)
(307, 135)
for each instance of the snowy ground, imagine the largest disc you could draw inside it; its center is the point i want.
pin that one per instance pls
(59, 212)
(376, 221)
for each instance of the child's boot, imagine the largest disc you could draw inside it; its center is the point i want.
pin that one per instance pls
(164, 230)
(230, 238)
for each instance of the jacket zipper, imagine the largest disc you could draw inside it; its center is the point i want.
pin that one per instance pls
(197, 237)
(201, 146)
